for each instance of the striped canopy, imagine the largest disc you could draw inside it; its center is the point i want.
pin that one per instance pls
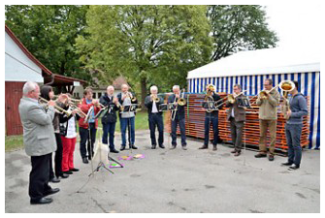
(309, 84)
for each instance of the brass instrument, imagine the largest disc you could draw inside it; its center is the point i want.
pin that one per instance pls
(182, 101)
(155, 98)
(58, 108)
(286, 86)
(231, 98)
(263, 94)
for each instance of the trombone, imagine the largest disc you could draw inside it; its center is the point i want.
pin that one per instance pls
(230, 98)
(181, 101)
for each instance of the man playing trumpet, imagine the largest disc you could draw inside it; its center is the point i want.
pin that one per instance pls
(127, 118)
(153, 102)
(110, 118)
(267, 101)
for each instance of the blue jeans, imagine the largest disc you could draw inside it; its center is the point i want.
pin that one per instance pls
(293, 134)
(182, 128)
(214, 121)
(109, 128)
(124, 125)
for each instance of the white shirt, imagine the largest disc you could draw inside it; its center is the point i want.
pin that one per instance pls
(232, 112)
(71, 131)
(154, 108)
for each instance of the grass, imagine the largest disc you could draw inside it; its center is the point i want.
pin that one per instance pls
(14, 142)
(141, 123)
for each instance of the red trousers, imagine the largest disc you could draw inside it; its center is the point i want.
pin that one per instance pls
(67, 154)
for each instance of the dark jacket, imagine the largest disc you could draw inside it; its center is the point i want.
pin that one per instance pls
(148, 103)
(110, 115)
(239, 111)
(180, 114)
(64, 120)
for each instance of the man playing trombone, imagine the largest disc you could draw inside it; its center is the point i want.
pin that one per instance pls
(211, 117)
(178, 115)
(109, 119)
(236, 115)
(267, 101)
(152, 102)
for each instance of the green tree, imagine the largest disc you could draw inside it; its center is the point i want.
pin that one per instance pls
(49, 32)
(146, 44)
(239, 27)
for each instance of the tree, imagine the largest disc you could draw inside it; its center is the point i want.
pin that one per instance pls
(49, 32)
(238, 27)
(147, 44)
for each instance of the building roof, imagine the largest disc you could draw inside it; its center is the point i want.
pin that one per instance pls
(58, 79)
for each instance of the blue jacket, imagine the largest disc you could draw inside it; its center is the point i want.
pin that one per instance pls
(298, 107)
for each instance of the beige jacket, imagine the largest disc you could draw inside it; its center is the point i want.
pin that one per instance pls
(268, 107)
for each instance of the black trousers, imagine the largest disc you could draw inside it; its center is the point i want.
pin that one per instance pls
(84, 138)
(57, 158)
(39, 176)
(156, 120)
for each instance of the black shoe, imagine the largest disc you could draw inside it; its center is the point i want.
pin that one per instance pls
(74, 170)
(237, 153)
(67, 172)
(173, 147)
(184, 147)
(122, 148)
(286, 164)
(260, 155)
(153, 147)
(133, 147)
(84, 160)
(271, 157)
(114, 151)
(233, 151)
(55, 180)
(203, 147)
(294, 167)
(162, 146)
(51, 191)
(41, 201)
(64, 176)
(214, 148)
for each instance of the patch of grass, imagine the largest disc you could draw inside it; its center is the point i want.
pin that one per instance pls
(141, 123)
(14, 142)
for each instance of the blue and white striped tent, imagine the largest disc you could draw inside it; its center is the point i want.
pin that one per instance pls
(251, 68)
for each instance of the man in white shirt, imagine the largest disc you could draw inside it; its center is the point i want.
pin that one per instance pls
(152, 102)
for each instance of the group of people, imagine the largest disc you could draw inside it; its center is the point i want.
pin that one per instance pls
(47, 130)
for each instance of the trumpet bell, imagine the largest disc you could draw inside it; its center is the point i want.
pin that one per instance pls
(287, 86)
(231, 98)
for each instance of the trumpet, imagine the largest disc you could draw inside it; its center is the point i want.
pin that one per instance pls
(155, 98)
(79, 111)
(58, 108)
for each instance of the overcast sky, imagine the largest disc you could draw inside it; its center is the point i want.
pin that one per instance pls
(297, 25)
